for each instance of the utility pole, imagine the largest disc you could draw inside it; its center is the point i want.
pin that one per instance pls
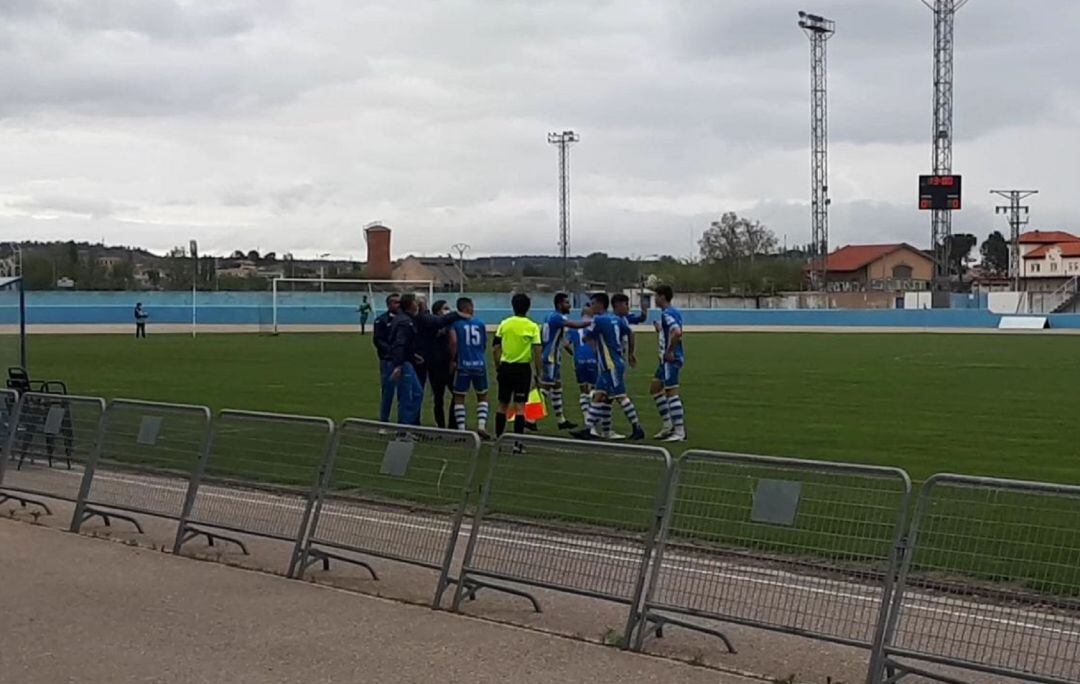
(461, 248)
(941, 219)
(564, 140)
(1018, 217)
(818, 29)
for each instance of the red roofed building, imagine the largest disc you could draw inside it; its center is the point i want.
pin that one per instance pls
(1049, 259)
(898, 267)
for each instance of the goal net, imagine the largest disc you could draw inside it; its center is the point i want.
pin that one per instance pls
(332, 304)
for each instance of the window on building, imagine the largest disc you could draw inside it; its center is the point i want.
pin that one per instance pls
(1053, 266)
(1035, 268)
(902, 272)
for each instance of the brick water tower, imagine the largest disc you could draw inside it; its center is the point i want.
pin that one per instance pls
(378, 251)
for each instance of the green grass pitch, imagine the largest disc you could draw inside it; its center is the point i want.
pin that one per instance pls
(1001, 405)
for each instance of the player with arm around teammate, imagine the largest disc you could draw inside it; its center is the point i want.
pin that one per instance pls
(607, 332)
(665, 384)
(468, 347)
(553, 336)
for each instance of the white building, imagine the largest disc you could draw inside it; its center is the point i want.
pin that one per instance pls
(1048, 259)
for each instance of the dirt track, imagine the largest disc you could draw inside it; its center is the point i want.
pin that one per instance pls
(80, 609)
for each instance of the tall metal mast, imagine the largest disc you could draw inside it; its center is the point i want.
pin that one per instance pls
(564, 140)
(818, 29)
(941, 219)
(1018, 218)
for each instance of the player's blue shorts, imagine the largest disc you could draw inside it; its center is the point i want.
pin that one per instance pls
(612, 381)
(668, 373)
(586, 373)
(464, 379)
(551, 373)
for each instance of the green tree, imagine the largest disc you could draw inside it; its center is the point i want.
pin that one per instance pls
(959, 246)
(995, 253)
(39, 272)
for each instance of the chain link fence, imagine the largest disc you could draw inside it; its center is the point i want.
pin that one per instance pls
(394, 492)
(990, 583)
(144, 462)
(259, 479)
(50, 439)
(800, 547)
(578, 517)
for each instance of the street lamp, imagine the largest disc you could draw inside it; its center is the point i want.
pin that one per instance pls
(461, 248)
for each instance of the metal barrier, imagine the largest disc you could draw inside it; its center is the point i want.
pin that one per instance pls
(394, 492)
(799, 547)
(991, 582)
(578, 517)
(260, 478)
(50, 439)
(144, 462)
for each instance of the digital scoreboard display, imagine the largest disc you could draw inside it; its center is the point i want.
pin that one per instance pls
(939, 192)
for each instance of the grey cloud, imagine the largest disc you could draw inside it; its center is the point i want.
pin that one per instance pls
(89, 207)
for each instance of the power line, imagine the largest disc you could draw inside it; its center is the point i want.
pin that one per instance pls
(818, 29)
(1017, 215)
(461, 248)
(564, 140)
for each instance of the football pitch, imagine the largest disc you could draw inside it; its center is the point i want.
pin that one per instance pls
(1000, 405)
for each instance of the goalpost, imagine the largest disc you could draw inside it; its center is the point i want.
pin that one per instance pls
(333, 303)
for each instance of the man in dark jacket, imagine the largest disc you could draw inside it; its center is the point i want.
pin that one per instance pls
(404, 345)
(433, 349)
(381, 338)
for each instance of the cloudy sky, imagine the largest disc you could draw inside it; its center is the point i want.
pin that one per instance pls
(288, 124)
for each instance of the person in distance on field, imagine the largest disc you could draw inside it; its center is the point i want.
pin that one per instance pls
(380, 336)
(365, 312)
(140, 320)
(553, 335)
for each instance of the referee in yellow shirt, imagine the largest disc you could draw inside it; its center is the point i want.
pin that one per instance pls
(516, 351)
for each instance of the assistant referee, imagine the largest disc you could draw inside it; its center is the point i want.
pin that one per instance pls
(516, 351)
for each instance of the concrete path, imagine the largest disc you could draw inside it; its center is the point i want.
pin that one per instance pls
(76, 609)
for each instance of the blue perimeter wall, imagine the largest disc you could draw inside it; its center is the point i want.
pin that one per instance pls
(255, 308)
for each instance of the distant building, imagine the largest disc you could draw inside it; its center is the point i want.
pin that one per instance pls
(897, 267)
(240, 268)
(443, 272)
(378, 265)
(1048, 259)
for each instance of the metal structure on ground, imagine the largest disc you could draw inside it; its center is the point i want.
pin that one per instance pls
(259, 478)
(393, 493)
(461, 248)
(819, 30)
(990, 583)
(788, 545)
(942, 155)
(540, 523)
(1017, 215)
(563, 140)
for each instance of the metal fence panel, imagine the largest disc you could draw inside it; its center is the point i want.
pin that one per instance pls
(145, 459)
(50, 439)
(395, 492)
(574, 516)
(991, 581)
(260, 477)
(8, 399)
(800, 547)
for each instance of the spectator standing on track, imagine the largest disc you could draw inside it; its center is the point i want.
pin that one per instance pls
(365, 312)
(404, 340)
(140, 320)
(516, 352)
(381, 337)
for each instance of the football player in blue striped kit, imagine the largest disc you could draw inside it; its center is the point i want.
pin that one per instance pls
(665, 384)
(607, 333)
(553, 338)
(468, 348)
(584, 363)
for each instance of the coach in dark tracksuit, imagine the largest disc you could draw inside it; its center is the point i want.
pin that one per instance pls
(381, 338)
(404, 341)
(433, 347)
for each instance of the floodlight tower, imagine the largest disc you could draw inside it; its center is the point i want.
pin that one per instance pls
(941, 219)
(818, 29)
(1018, 217)
(564, 140)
